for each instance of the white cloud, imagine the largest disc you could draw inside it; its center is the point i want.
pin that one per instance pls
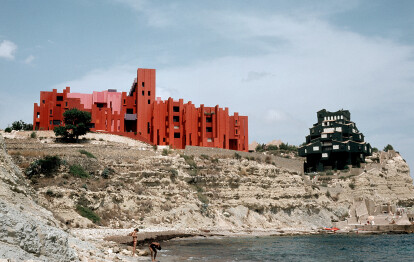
(7, 49)
(281, 88)
(29, 59)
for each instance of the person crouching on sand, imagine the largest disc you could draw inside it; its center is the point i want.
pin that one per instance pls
(153, 248)
(134, 238)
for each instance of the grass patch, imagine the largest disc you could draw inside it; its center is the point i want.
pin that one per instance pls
(78, 171)
(88, 154)
(88, 213)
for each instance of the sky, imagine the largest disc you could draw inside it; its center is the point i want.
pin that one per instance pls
(278, 62)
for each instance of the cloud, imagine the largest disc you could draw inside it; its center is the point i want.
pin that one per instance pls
(29, 59)
(7, 49)
(302, 64)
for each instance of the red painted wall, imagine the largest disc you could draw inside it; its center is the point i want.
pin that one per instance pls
(139, 115)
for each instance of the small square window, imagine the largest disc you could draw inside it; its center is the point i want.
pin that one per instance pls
(176, 119)
(130, 111)
(209, 119)
(59, 98)
(210, 129)
(176, 109)
(176, 135)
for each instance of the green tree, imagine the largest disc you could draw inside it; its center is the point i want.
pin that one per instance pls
(20, 125)
(76, 124)
(388, 147)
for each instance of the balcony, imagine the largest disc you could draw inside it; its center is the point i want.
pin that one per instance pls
(131, 117)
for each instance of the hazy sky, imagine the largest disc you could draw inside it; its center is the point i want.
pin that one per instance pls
(278, 62)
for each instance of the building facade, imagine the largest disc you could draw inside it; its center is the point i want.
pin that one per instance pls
(334, 142)
(140, 115)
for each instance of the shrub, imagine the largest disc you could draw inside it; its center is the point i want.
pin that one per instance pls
(268, 160)
(33, 135)
(388, 147)
(351, 186)
(329, 173)
(204, 157)
(20, 125)
(88, 213)
(237, 156)
(46, 165)
(7, 130)
(165, 152)
(374, 150)
(88, 154)
(190, 161)
(78, 171)
(106, 172)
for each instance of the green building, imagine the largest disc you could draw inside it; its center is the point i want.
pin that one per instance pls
(334, 142)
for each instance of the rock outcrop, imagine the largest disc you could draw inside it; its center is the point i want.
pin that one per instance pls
(135, 186)
(27, 231)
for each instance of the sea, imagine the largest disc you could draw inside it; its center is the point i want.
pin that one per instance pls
(332, 247)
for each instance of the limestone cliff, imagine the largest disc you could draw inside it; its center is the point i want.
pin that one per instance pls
(27, 231)
(133, 185)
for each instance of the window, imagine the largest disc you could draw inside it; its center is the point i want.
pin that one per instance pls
(176, 119)
(148, 127)
(130, 111)
(56, 122)
(209, 119)
(59, 98)
(210, 129)
(176, 135)
(66, 104)
(316, 148)
(38, 114)
(100, 105)
(50, 111)
(236, 121)
(143, 92)
(58, 105)
(163, 140)
(143, 84)
(124, 101)
(237, 132)
(209, 140)
(149, 93)
(149, 102)
(43, 101)
(176, 109)
(50, 122)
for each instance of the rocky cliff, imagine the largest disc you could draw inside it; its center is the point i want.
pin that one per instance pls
(27, 230)
(135, 186)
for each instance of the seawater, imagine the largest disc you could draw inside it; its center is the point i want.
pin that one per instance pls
(292, 248)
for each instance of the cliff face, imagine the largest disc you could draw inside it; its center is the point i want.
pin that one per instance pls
(27, 231)
(209, 192)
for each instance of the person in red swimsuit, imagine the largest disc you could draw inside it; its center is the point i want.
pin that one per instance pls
(134, 238)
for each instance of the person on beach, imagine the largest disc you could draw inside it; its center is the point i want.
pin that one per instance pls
(134, 238)
(153, 248)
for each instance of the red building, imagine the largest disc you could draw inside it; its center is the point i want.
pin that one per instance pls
(141, 116)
